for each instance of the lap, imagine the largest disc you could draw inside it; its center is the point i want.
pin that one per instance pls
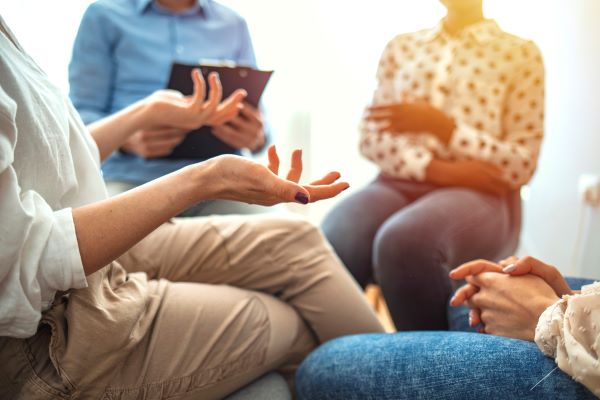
(209, 340)
(460, 224)
(243, 251)
(442, 365)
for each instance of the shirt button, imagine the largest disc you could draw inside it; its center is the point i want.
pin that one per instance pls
(179, 49)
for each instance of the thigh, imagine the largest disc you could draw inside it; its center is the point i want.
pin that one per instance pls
(351, 226)
(227, 207)
(458, 224)
(207, 341)
(433, 365)
(284, 256)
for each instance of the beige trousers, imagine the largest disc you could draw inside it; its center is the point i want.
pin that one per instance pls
(206, 305)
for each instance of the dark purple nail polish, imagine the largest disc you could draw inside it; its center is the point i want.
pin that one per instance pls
(301, 198)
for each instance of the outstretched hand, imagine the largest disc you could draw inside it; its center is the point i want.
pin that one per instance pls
(241, 179)
(171, 109)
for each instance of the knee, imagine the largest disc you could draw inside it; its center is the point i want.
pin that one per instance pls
(328, 371)
(400, 248)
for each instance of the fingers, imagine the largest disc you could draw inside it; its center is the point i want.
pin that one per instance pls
(473, 268)
(509, 260)
(215, 93)
(296, 167)
(327, 179)
(550, 274)
(288, 191)
(326, 192)
(229, 108)
(233, 137)
(378, 115)
(159, 148)
(252, 113)
(474, 317)
(199, 87)
(463, 294)
(273, 160)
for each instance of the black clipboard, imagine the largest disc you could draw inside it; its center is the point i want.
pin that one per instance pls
(201, 143)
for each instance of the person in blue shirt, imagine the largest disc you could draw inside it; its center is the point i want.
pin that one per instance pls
(123, 52)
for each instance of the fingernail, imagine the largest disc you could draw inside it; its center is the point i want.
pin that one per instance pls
(470, 321)
(301, 198)
(509, 268)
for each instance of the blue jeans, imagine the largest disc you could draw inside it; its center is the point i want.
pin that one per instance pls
(406, 236)
(434, 365)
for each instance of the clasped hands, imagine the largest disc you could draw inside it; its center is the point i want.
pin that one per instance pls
(171, 115)
(507, 298)
(416, 116)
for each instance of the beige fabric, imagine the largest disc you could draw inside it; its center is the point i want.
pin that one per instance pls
(244, 296)
(569, 331)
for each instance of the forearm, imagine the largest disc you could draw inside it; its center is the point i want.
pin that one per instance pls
(111, 132)
(107, 229)
(437, 172)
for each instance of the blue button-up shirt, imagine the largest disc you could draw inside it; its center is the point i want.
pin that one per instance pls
(123, 52)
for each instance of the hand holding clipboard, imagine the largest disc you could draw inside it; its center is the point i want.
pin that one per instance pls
(201, 143)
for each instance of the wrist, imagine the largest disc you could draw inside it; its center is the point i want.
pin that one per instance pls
(143, 114)
(444, 129)
(439, 172)
(199, 181)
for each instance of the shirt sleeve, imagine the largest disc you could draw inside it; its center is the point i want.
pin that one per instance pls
(39, 254)
(516, 152)
(91, 70)
(569, 332)
(403, 156)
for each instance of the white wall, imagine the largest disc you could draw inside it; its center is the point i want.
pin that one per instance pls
(325, 53)
(572, 144)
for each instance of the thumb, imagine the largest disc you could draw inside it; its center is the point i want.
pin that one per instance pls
(533, 266)
(290, 192)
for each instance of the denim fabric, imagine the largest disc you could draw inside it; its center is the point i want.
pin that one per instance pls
(435, 365)
(406, 236)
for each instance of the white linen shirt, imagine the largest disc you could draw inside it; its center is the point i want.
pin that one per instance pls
(490, 82)
(48, 164)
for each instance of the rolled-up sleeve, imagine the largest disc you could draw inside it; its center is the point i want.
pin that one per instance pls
(569, 332)
(39, 254)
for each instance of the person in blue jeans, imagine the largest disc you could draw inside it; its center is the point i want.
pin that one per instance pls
(514, 303)
(123, 52)
(455, 128)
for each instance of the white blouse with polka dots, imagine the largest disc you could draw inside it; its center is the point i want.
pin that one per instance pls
(490, 82)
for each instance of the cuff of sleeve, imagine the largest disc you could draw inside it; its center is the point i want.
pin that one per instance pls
(64, 269)
(593, 288)
(547, 331)
(464, 140)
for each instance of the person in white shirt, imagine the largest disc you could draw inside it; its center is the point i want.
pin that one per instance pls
(109, 297)
(455, 128)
